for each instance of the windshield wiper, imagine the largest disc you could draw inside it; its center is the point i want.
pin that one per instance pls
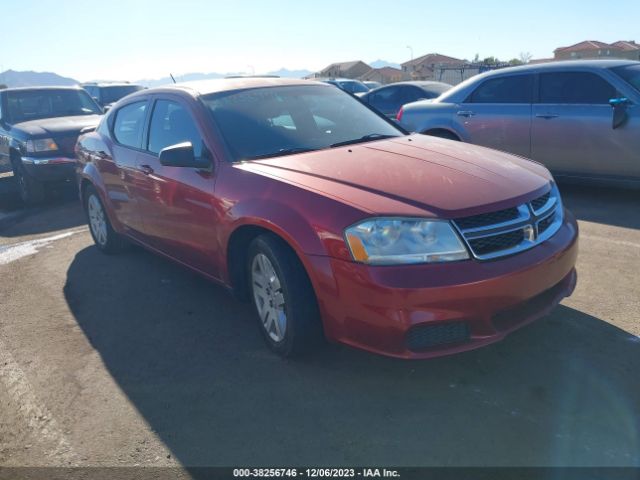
(281, 152)
(366, 138)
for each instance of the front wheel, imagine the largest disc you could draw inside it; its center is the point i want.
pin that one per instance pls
(104, 236)
(31, 190)
(283, 297)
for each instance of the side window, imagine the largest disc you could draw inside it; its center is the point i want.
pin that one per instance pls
(129, 123)
(410, 94)
(171, 123)
(384, 96)
(575, 88)
(512, 89)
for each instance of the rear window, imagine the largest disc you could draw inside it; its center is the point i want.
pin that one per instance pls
(26, 105)
(512, 89)
(115, 93)
(630, 74)
(575, 88)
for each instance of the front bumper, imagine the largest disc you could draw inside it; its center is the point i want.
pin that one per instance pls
(390, 309)
(50, 169)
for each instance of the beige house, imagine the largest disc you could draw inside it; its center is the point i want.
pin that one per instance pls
(383, 75)
(427, 66)
(353, 69)
(594, 49)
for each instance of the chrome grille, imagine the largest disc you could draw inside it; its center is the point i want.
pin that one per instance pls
(512, 230)
(488, 218)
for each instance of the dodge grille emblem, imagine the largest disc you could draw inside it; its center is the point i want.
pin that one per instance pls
(530, 233)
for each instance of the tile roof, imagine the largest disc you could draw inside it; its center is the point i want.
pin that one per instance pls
(596, 45)
(432, 58)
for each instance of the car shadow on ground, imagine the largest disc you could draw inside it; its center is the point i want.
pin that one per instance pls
(562, 391)
(611, 206)
(60, 210)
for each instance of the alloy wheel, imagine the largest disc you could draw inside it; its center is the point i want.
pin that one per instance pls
(97, 219)
(268, 297)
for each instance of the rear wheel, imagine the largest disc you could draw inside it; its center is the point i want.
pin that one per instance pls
(283, 297)
(104, 236)
(31, 190)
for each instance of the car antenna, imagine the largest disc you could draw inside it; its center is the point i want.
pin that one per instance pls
(174, 80)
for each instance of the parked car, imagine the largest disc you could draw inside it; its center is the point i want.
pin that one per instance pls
(333, 221)
(579, 118)
(107, 93)
(388, 99)
(371, 84)
(347, 84)
(38, 131)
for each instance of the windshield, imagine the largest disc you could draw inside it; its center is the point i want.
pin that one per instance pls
(113, 94)
(272, 121)
(26, 105)
(353, 87)
(630, 73)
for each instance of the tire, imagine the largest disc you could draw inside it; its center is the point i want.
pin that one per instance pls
(443, 134)
(294, 327)
(104, 236)
(31, 190)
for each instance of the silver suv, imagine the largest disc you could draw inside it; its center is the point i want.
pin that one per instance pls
(579, 118)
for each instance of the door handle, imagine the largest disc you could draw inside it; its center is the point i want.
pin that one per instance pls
(146, 169)
(466, 113)
(546, 116)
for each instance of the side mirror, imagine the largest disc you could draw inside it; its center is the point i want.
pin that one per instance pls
(619, 106)
(181, 155)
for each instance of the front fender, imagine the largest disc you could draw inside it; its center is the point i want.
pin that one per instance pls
(282, 220)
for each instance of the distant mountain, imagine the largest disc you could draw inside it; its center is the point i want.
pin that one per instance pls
(187, 77)
(384, 63)
(11, 79)
(283, 72)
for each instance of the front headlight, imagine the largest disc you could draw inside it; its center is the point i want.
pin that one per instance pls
(394, 241)
(41, 145)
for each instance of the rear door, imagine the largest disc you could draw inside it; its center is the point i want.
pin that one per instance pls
(120, 173)
(572, 126)
(177, 202)
(497, 114)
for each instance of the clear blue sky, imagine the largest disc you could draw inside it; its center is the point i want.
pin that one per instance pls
(137, 39)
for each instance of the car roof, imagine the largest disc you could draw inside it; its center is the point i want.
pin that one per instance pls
(609, 63)
(417, 83)
(205, 87)
(35, 89)
(110, 84)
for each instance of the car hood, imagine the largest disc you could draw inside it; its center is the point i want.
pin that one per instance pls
(58, 126)
(413, 175)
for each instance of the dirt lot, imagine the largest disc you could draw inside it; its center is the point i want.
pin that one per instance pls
(131, 360)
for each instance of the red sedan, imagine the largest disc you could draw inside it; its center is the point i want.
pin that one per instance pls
(330, 219)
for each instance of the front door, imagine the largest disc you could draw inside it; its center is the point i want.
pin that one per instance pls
(572, 129)
(497, 114)
(176, 202)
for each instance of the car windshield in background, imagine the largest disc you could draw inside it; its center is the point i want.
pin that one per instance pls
(26, 105)
(113, 94)
(353, 87)
(272, 121)
(630, 73)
